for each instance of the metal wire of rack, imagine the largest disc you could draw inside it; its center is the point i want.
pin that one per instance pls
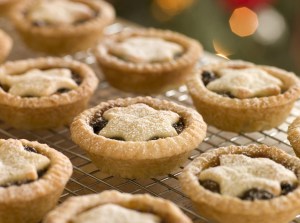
(87, 179)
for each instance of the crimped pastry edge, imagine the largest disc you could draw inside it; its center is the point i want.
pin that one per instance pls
(283, 207)
(196, 87)
(294, 135)
(143, 202)
(46, 189)
(244, 115)
(106, 16)
(85, 89)
(189, 57)
(195, 131)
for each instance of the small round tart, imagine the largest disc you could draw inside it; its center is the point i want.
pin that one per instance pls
(252, 184)
(62, 26)
(240, 96)
(44, 92)
(138, 137)
(116, 207)
(294, 135)
(5, 45)
(33, 176)
(147, 60)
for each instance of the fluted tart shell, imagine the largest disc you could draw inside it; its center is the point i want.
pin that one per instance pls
(227, 209)
(139, 159)
(47, 111)
(244, 115)
(30, 202)
(148, 78)
(66, 39)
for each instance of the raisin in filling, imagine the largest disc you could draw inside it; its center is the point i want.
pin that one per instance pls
(98, 123)
(252, 194)
(209, 76)
(19, 183)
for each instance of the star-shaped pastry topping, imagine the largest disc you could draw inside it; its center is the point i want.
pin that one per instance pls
(39, 83)
(146, 49)
(115, 214)
(239, 173)
(246, 83)
(59, 12)
(139, 122)
(19, 165)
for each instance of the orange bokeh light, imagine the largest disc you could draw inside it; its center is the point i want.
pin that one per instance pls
(243, 22)
(173, 7)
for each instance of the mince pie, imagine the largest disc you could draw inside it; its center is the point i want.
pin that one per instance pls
(294, 135)
(147, 60)
(138, 137)
(44, 92)
(32, 179)
(243, 97)
(253, 184)
(5, 45)
(116, 207)
(62, 26)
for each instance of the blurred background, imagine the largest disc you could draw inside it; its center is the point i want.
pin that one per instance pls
(261, 31)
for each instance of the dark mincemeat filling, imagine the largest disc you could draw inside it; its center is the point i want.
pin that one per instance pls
(76, 77)
(19, 183)
(252, 194)
(98, 123)
(209, 76)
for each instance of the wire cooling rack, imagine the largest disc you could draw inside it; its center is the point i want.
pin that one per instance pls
(87, 179)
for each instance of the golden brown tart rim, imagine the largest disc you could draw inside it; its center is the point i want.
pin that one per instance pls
(193, 50)
(73, 206)
(195, 131)
(294, 135)
(45, 189)
(227, 205)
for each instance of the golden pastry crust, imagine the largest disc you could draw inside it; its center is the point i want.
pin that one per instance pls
(28, 203)
(244, 115)
(64, 39)
(227, 209)
(139, 159)
(166, 210)
(49, 111)
(5, 45)
(294, 135)
(6, 6)
(148, 77)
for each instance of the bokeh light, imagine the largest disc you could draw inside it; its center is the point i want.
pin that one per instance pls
(272, 26)
(173, 7)
(243, 22)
